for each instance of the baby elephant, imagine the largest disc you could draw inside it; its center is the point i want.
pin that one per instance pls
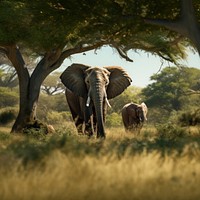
(133, 116)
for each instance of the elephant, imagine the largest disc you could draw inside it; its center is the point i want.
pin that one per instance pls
(133, 116)
(87, 92)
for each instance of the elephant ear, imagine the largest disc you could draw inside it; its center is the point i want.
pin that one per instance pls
(74, 79)
(119, 80)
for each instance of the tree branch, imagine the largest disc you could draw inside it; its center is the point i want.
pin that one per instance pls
(187, 25)
(164, 57)
(190, 92)
(79, 49)
(176, 26)
(122, 53)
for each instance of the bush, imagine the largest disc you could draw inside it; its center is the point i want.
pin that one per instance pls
(7, 115)
(54, 117)
(190, 118)
(170, 131)
(157, 115)
(113, 119)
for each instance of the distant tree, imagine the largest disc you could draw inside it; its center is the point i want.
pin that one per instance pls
(52, 84)
(8, 76)
(131, 94)
(171, 87)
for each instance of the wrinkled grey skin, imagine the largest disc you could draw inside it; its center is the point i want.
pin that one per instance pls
(88, 90)
(133, 116)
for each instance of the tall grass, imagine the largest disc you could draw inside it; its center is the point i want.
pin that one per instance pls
(124, 166)
(142, 176)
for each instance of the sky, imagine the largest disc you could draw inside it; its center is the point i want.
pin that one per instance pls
(144, 65)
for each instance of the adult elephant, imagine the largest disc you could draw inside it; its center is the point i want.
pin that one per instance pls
(133, 116)
(88, 90)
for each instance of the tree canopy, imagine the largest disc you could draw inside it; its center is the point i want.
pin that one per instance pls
(50, 25)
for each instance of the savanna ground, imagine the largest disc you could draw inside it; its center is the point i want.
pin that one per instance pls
(161, 163)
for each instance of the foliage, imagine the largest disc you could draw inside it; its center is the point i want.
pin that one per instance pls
(8, 97)
(189, 117)
(7, 115)
(52, 103)
(131, 94)
(170, 131)
(118, 143)
(114, 120)
(157, 115)
(170, 86)
(54, 117)
(50, 24)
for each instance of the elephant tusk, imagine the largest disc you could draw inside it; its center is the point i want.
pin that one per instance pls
(88, 101)
(108, 102)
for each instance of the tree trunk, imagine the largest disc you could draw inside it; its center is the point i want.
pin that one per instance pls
(29, 86)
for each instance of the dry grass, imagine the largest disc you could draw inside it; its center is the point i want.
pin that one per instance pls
(5, 129)
(144, 176)
(121, 167)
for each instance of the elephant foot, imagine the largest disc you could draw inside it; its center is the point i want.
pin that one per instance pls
(101, 136)
(88, 130)
(79, 129)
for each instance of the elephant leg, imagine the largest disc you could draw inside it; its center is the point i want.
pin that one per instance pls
(89, 127)
(79, 124)
(74, 105)
(125, 119)
(138, 127)
(131, 124)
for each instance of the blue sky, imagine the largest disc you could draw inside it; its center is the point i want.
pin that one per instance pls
(143, 66)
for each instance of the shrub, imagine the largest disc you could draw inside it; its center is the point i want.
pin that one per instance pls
(190, 118)
(7, 115)
(170, 131)
(157, 115)
(54, 117)
(113, 119)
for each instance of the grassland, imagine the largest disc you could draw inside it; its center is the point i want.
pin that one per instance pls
(157, 164)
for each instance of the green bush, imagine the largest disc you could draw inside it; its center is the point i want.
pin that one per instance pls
(54, 117)
(170, 131)
(113, 120)
(190, 118)
(7, 115)
(157, 115)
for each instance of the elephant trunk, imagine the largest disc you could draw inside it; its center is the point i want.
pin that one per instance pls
(98, 96)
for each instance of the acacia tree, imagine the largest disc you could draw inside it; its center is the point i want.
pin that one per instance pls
(52, 85)
(56, 29)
